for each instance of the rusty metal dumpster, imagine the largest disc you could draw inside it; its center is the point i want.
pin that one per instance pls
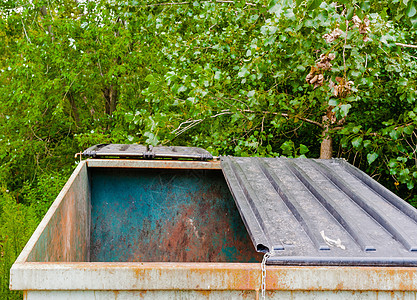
(136, 222)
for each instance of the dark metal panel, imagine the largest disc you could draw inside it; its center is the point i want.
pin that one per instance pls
(374, 208)
(147, 152)
(321, 212)
(337, 211)
(389, 196)
(248, 209)
(299, 213)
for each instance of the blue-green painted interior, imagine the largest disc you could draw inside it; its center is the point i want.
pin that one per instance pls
(165, 215)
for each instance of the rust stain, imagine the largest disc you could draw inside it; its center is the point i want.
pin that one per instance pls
(65, 236)
(154, 164)
(205, 293)
(343, 278)
(245, 276)
(339, 286)
(405, 278)
(171, 222)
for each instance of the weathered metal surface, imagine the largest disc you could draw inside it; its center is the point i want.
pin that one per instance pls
(153, 164)
(208, 276)
(165, 215)
(134, 295)
(63, 234)
(321, 212)
(218, 295)
(147, 152)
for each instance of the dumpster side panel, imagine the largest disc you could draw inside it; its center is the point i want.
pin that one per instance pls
(167, 216)
(66, 236)
(216, 295)
(208, 276)
(134, 295)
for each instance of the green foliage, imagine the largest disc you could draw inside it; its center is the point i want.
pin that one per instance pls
(17, 223)
(41, 194)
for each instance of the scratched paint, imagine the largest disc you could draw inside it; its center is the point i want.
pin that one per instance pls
(167, 216)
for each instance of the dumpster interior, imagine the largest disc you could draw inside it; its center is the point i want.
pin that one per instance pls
(165, 215)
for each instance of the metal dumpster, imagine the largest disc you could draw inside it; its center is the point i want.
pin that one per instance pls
(136, 222)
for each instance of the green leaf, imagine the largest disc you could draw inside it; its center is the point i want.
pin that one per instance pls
(243, 72)
(395, 134)
(272, 3)
(314, 4)
(345, 109)
(182, 88)
(349, 14)
(152, 139)
(392, 163)
(367, 143)
(359, 13)
(409, 129)
(287, 148)
(371, 157)
(303, 149)
(356, 142)
(333, 102)
(150, 78)
(356, 129)
(411, 9)
(251, 93)
(365, 5)
(404, 172)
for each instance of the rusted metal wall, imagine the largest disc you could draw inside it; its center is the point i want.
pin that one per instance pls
(211, 281)
(219, 295)
(167, 216)
(65, 229)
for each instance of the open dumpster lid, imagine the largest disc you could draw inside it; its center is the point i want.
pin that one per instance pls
(321, 212)
(146, 152)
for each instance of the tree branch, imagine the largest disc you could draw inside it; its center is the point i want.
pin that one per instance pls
(344, 48)
(167, 3)
(285, 115)
(406, 45)
(186, 2)
(405, 125)
(24, 30)
(193, 123)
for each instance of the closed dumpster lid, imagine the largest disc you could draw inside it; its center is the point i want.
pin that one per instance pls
(321, 212)
(146, 152)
